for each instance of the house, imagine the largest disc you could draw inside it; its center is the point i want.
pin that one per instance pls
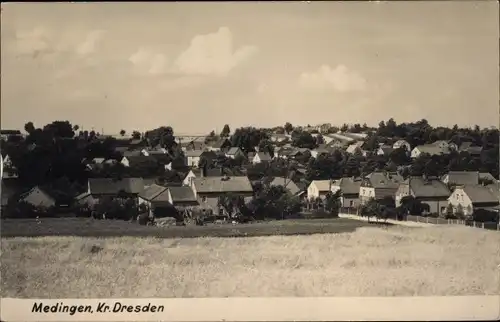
(471, 149)
(286, 183)
(148, 152)
(136, 160)
(209, 189)
(318, 189)
(322, 149)
(7, 162)
(454, 178)
(379, 185)
(149, 195)
(188, 179)
(429, 149)
(182, 197)
(193, 157)
(349, 188)
(434, 193)
(384, 150)
(355, 148)
(198, 144)
(10, 188)
(474, 197)
(132, 153)
(402, 143)
(234, 153)
(219, 145)
(261, 157)
(280, 138)
(102, 187)
(38, 197)
(6, 134)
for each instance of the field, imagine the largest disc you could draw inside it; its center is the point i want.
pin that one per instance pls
(371, 261)
(86, 227)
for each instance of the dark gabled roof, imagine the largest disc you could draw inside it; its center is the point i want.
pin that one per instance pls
(463, 177)
(481, 194)
(121, 149)
(428, 188)
(161, 158)
(132, 153)
(10, 132)
(348, 185)
(100, 186)
(286, 183)
(139, 159)
(233, 150)
(152, 192)
(219, 143)
(382, 180)
(222, 184)
(182, 194)
(264, 156)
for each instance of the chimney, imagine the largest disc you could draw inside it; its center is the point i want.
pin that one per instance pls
(204, 171)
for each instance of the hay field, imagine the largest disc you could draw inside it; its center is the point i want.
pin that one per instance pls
(395, 261)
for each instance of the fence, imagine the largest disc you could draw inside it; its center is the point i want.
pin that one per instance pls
(441, 221)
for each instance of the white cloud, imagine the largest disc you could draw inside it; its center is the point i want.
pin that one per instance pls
(212, 54)
(339, 79)
(150, 62)
(88, 46)
(33, 41)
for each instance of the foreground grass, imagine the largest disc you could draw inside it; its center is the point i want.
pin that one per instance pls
(396, 261)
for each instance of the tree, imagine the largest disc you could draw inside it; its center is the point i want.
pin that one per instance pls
(122, 132)
(304, 140)
(320, 139)
(332, 202)
(288, 128)
(136, 135)
(29, 127)
(225, 131)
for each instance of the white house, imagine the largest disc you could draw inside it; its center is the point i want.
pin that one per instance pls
(261, 157)
(188, 180)
(193, 157)
(318, 189)
(400, 143)
(429, 149)
(474, 197)
(234, 153)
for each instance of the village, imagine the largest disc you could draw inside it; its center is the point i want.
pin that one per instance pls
(159, 178)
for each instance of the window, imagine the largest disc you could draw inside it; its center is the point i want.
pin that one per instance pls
(204, 199)
(351, 203)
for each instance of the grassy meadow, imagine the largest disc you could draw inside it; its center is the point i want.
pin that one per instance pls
(393, 261)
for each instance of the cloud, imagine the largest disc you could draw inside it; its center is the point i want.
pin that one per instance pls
(32, 42)
(212, 54)
(88, 46)
(339, 79)
(150, 62)
(41, 42)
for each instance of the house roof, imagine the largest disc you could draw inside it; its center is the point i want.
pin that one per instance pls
(138, 159)
(386, 149)
(100, 186)
(381, 180)
(462, 177)
(481, 194)
(219, 143)
(10, 132)
(322, 185)
(152, 192)
(233, 150)
(222, 184)
(432, 149)
(263, 156)
(428, 188)
(487, 176)
(133, 153)
(193, 153)
(161, 157)
(44, 198)
(182, 194)
(287, 183)
(348, 185)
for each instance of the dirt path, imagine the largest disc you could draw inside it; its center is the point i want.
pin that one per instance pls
(391, 221)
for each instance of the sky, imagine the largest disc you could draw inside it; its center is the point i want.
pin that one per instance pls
(197, 66)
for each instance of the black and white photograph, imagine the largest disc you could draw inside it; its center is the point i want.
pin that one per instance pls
(249, 149)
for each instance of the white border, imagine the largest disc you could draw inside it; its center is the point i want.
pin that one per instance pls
(449, 308)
